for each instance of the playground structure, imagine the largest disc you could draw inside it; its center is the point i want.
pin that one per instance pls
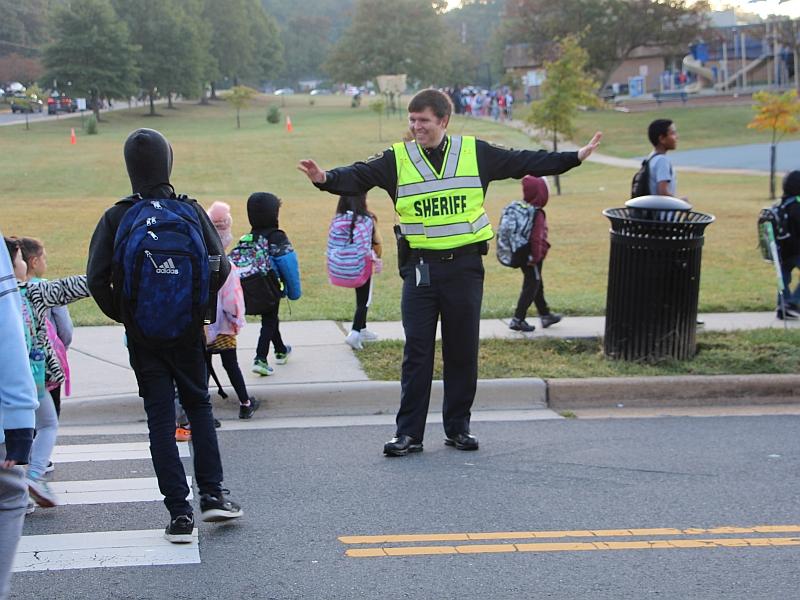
(736, 58)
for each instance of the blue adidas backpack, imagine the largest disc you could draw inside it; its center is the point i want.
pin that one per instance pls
(161, 265)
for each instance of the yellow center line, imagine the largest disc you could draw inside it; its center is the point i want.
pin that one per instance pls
(573, 546)
(580, 533)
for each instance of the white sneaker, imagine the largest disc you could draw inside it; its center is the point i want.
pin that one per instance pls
(41, 492)
(367, 336)
(353, 340)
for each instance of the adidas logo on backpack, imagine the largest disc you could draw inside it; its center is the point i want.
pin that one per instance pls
(168, 268)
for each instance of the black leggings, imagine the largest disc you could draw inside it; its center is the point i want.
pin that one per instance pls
(231, 366)
(532, 291)
(362, 306)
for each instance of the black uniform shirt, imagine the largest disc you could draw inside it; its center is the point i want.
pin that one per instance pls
(494, 163)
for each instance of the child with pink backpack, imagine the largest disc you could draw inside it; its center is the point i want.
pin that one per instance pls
(59, 323)
(354, 254)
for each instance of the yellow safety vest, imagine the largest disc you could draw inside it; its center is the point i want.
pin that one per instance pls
(440, 211)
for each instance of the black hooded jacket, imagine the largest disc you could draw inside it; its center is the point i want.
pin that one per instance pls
(148, 158)
(262, 212)
(790, 248)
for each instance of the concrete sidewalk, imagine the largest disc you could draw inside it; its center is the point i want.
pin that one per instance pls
(324, 377)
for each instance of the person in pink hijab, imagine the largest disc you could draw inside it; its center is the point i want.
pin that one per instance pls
(221, 335)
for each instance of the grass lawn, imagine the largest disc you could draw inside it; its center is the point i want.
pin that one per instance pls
(57, 192)
(625, 134)
(718, 353)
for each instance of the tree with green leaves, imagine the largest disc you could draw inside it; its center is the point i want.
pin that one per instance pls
(244, 41)
(391, 37)
(778, 114)
(567, 87)
(173, 56)
(92, 49)
(239, 97)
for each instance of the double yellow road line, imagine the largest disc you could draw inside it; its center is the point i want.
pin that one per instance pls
(386, 545)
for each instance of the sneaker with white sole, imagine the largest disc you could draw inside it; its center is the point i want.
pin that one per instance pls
(262, 368)
(367, 336)
(41, 492)
(50, 467)
(353, 340)
(281, 358)
(179, 530)
(215, 507)
(31, 508)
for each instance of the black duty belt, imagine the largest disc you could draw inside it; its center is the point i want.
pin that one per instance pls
(448, 255)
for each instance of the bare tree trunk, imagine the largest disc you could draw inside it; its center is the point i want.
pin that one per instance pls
(213, 91)
(169, 100)
(238, 124)
(96, 105)
(772, 153)
(151, 95)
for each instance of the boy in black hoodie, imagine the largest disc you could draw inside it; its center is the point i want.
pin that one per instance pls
(148, 158)
(789, 249)
(262, 212)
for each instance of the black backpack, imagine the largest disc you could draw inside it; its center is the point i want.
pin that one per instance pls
(776, 217)
(640, 184)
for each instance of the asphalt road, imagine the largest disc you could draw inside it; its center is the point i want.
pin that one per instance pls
(582, 484)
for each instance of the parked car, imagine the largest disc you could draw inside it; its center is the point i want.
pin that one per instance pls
(320, 92)
(284, 92)
(20, 103)
(57, 103)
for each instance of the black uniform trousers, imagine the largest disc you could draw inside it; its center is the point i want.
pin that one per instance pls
(455, 294)
(156, 369)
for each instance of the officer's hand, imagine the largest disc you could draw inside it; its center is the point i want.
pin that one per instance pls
(312, 170)
(587, 150)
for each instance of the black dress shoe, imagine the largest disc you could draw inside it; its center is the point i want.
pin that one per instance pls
(400, 445)
(462, 441)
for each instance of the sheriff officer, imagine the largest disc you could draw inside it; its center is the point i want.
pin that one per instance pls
(438, 184)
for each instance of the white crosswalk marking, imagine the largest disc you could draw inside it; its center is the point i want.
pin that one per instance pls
(100, 452)
(106, 491)
(102, 549)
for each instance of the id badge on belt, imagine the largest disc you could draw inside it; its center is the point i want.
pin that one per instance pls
(423, 274)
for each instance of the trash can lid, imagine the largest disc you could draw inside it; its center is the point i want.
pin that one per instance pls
(658, 203)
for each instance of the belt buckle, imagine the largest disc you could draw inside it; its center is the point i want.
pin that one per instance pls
(447, 257)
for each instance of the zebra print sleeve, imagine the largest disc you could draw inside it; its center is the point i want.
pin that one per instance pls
(59, 292)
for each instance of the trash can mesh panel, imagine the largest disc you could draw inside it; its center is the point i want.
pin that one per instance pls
(664, 224)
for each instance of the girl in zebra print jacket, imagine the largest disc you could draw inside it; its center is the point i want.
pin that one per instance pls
(37, 298)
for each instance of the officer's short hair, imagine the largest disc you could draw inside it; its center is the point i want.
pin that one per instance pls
(437, 101)
(658, 128)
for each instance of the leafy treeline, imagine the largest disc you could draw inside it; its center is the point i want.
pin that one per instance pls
(182, 46)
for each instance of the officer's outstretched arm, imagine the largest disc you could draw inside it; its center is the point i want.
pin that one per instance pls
(312, 170)
(587, 150)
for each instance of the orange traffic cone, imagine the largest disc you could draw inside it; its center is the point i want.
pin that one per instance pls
(289, 127)
(72, 139)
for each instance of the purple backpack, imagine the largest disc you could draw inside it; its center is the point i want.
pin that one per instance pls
(350, 250)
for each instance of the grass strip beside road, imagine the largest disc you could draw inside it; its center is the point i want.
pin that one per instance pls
(762, 351)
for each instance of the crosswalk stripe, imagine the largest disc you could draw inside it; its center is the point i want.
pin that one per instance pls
(100, 452)
(102, 549)
(107, 491)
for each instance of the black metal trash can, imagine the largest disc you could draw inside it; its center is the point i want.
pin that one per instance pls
(653, 279)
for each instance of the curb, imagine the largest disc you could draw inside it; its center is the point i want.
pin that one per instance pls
(673, 391)
(317, 399)
(382, 397)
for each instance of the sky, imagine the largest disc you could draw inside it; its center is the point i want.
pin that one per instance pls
(763, 8)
